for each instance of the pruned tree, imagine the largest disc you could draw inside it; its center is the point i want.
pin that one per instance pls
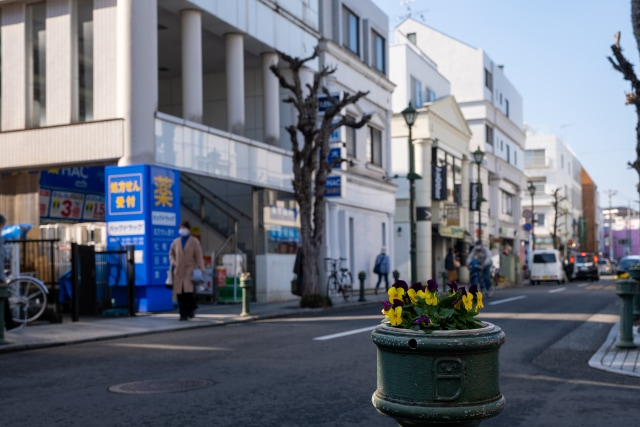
(621, 64)
(309, 137)
(556, 202)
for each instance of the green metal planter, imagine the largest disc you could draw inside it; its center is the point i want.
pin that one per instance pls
(446, 378)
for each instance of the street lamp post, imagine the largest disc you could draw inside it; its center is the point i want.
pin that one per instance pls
(410, 115)
(478, 155)
(532, 191)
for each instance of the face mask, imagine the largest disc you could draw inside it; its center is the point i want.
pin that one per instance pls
(183, 232)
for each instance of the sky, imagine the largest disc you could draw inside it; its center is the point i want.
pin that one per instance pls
(555, 53)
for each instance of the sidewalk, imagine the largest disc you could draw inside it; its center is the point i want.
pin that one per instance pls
(102, 328)
(607, 358)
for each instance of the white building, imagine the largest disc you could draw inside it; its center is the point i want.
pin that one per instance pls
(186, 85)
(552, 165)
(492, 107)
(441, 138)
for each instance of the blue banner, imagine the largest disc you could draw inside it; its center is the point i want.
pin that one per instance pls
(143, 210)
(72, 194)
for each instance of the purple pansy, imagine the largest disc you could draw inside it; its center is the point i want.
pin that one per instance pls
(422, 319)
(401, 284)
(432, 285)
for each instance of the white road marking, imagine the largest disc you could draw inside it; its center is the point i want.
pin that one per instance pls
(553, 291)
(582, 285)
(344, 334)
(507, 300)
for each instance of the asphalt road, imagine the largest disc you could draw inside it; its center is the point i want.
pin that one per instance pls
(296, 371)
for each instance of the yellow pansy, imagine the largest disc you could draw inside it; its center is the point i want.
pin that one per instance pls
(431, 298)
(479, 301)
(467, 300)
(395, 316)
(395, 293)
(415, 295)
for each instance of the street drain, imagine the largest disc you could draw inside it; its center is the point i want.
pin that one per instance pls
(159, 386)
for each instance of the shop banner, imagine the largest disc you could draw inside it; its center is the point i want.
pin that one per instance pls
(72, 194)
(474, 202)
(439, 183)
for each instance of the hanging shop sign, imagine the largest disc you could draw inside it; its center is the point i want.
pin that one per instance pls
(438, 183)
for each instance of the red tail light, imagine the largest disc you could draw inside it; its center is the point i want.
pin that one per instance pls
(595, 258)
(583, 254)
(571, 260)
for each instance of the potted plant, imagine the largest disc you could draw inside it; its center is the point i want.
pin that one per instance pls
(437, 364)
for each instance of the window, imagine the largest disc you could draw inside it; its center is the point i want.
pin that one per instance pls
(378, 50)
(374, 146)
(384, 234)
(36, 65)
(534, 159)
(501, 99)
(488, 79)
(506, 203)
(351, 31)
(562, 161)
(506, 103)
(351, 139)
(416, 92)
(488, 135)
(84, 60)
(430, 95)
(539, 219)
(515, 157)
(539, 184)
(412, 37)
(508, 154)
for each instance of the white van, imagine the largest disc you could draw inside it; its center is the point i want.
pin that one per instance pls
(546, 266)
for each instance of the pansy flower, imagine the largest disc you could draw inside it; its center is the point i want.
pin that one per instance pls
(432, 285)
(422, 320)
(395, 315)
(416, 291)
(453, 287)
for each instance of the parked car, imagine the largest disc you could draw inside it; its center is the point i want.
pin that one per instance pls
(604, 266)
(546, 267)
(583, 265)
(626, 263)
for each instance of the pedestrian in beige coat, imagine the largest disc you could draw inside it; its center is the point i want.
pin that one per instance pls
(185, 256)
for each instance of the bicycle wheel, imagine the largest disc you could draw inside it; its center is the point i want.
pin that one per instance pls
(347, 285)
(27, 299)
(332, 285)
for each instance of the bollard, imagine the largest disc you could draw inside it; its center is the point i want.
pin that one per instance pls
(362, 275)
(626, 289)
(635, 274)
(245, 285)
(4, 294)
(396, 275)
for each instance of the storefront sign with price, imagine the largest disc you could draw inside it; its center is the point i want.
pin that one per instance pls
(66, 205)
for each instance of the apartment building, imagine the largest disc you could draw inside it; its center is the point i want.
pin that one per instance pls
(552, 165)
(182, 90)
(492, 107)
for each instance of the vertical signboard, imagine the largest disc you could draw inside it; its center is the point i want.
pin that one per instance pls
(439, 183)
(474, 195)
(143, 209)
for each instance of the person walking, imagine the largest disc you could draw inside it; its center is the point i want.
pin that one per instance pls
(185, 255)
(381, 268)
(451, 264)
(297, 270)
(8, 319)
(480, 256)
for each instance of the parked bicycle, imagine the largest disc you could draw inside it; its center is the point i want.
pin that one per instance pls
(27, 295)
(27, 298)
(340, 279)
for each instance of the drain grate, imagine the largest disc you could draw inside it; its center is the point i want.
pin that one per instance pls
(159, 386)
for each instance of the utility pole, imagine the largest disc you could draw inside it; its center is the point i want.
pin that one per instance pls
(611, 193)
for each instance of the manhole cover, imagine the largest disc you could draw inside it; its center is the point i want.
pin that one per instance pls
(159, 386)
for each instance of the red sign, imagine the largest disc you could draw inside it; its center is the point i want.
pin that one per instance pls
(221, 276)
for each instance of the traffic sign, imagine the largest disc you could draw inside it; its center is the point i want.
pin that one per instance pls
(526, 214)
(527, 227)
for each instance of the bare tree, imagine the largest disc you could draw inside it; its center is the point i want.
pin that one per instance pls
(621, 64)
(310, 156)
(556, 202)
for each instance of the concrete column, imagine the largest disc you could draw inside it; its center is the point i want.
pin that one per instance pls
(517, 213)
(492, 209)
(424, 238)
(192, 103)
(270, 100)
(60, 61)
(105, 64)
(138, 78)
(235, 83)
(14, 67)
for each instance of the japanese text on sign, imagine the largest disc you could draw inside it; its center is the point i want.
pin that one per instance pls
(125, 194)
(162, 193)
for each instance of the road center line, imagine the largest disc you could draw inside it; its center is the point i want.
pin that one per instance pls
(507, 300)
(553, 291)
(344, 334)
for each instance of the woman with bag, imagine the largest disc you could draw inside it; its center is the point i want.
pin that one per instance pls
(185, 256)
(451, 264)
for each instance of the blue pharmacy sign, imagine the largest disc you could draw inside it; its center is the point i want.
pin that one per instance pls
(143, 210)
(333, 186)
